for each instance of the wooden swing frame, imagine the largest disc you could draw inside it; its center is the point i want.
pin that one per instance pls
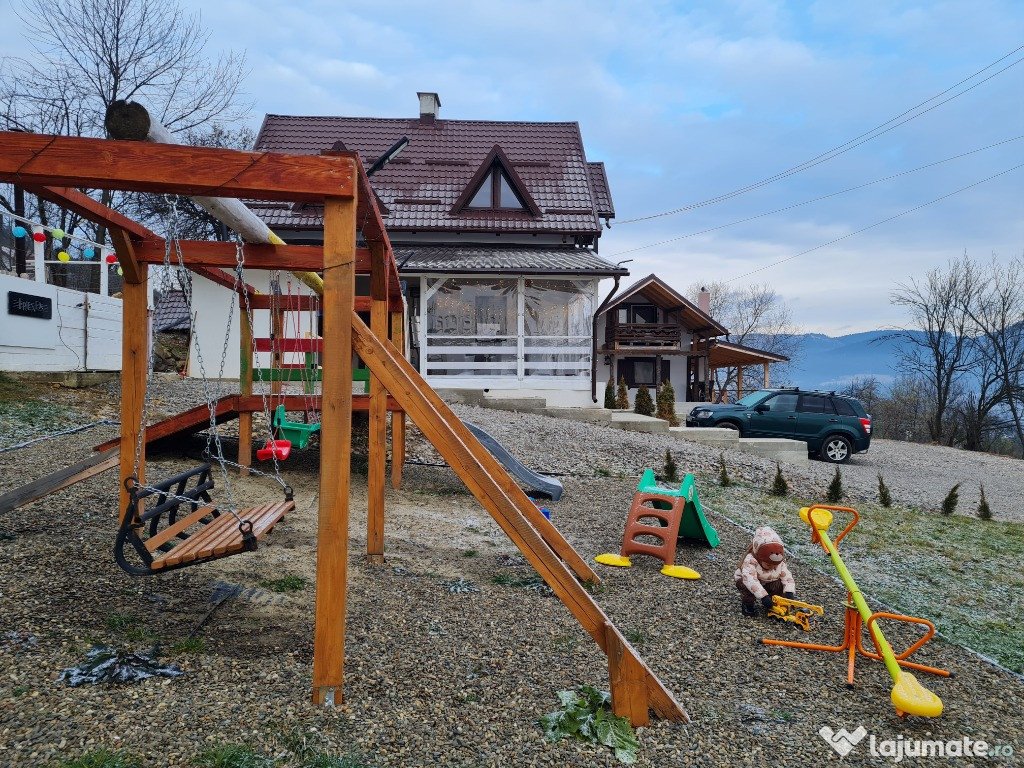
(53, 166)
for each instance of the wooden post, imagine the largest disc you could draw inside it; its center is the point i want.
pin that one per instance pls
(766, 375)
(739, 381)
(628, 680)
(335, 450)
(378, 410)
(245, 365)
(397, 417)
(134, 367)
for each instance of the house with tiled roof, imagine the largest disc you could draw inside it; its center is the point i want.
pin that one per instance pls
(650, 334)
(495, 227)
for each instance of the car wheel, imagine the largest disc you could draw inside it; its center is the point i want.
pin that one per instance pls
(730, 425)
(836, 449)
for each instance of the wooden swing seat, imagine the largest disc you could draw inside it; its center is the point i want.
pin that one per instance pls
(218, 538)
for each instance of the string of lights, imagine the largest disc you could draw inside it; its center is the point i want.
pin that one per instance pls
(87, 250)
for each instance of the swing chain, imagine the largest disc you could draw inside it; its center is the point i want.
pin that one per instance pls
(240, 261)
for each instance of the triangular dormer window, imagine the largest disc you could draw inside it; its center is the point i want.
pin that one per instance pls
(496, 187)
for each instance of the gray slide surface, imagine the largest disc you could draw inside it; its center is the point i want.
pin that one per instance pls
(549, 486)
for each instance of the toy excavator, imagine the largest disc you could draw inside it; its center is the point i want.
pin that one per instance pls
(804, 615)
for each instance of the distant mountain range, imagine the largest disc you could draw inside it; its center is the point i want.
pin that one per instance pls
(827, 362)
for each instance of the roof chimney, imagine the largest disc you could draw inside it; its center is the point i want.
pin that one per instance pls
(430, 105)
(704, 301)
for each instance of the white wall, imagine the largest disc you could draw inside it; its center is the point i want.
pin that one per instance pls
(214, 306)
(64, 342)
(677, 367)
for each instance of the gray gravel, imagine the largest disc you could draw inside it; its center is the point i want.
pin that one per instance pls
(435, 677)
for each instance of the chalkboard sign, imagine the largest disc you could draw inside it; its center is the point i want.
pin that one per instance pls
(26, 305)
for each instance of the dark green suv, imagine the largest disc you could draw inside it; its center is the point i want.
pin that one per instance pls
(833, 426)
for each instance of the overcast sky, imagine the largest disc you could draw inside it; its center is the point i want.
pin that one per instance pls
(685, 102)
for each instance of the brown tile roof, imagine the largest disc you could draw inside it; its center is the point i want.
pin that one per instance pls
(656, 290)
(526, 261)
(602, 192)
(422, 184)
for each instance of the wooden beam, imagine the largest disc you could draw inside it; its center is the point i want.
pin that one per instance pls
(377, 442)
(87, 208)
(134, 367)
(125, 248)
(207, 253)
(220, 277)
(397, 418)
(71, 161)
(766, 375)
(627, 678)
(508, 505)
(185, 423)
(59, 480)
(335, 451)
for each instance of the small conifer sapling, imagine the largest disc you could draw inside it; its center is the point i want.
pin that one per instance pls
(984, 512)
(643, 405)
(779, 486)
(622, 395)
(723, 475)
(949, 503)
(835, 492)
(671, 471)
(884, 496)
(609, 394)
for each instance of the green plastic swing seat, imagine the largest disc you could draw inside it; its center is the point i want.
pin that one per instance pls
(295, 432)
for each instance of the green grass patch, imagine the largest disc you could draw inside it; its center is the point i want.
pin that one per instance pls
(285, 584)
(189, 645)
(232, 756)
(102, 758)
(961, 573)
(19, 690)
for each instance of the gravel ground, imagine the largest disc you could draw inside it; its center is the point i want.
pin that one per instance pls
(432, 677)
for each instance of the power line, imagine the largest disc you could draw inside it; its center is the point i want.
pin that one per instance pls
(816, 199)
(872, 226)
(853, 143)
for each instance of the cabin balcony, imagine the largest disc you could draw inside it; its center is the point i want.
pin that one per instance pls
(665, 336)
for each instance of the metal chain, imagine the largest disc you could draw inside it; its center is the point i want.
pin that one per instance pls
(172, 238)
(165, 280)
(240, 261)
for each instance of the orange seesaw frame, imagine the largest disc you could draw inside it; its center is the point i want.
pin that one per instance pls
(854, 624)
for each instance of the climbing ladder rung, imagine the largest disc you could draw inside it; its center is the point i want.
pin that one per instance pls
(222, 536)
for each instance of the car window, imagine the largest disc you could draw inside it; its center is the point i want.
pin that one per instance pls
(815, 404)
(753, 398)
(783, 402)
(843, 407)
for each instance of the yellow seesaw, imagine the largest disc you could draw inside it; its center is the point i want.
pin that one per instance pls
(908, 695)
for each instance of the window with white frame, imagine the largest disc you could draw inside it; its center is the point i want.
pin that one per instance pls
(508, 327)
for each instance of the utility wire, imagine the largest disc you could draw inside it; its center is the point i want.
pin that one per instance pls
(863, 138)
(817, 199)
(872, 226)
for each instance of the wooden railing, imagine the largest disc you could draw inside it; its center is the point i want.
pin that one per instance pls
(644, 335)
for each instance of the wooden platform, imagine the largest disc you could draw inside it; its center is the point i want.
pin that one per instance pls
(222, 536)
(228, 408)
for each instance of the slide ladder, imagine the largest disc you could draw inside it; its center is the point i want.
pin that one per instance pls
(634, 687)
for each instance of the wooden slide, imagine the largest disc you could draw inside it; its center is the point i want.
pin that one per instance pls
(634, 687)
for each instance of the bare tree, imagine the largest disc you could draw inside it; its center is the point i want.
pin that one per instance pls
(90, 53)
(996, 308)
(756, 316)
(935, 346)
